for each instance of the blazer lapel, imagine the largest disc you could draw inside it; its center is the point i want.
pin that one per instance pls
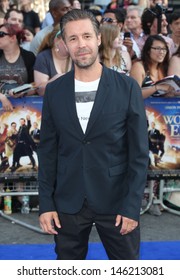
(71, 104)
(101, 95)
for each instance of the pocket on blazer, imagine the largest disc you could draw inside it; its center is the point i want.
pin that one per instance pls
(118, 169)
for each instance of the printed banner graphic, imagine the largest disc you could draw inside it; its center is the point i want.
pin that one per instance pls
(20, 134)
(19, 138)
(163, 118)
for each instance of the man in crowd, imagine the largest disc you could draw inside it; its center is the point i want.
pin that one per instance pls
(57, 9)
(133, 24)
(14, 16)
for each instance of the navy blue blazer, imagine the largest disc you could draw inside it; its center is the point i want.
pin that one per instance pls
(108, 164)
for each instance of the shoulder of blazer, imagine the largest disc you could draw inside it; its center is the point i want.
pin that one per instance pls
(109, 74)
(66, 78)
(61, 84)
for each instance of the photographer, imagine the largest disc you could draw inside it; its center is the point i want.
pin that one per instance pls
(154, 22)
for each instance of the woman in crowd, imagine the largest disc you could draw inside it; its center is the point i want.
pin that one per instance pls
(112, 52)
(16, 64)
(152, 67)
(29, 35)
(52, 61)
(174, 68)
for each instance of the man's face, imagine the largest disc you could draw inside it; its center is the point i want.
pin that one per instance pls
(152, 125)
(133, 21)
(164, 25)
(22, 122)
(35, 125)
(82, 42)
(109, 18)
(175, 27)
(15, 18)
(63, 8)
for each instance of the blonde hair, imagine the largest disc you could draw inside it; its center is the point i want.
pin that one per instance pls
(48, 41)
(109, 33)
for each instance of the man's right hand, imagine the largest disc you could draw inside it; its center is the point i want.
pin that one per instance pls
(47, 221)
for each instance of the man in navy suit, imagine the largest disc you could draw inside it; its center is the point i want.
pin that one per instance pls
(93, 152)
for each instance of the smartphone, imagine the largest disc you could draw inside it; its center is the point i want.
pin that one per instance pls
(127, 35)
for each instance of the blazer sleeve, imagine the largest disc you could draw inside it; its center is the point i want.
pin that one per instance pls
(138, 154)
(47, 149)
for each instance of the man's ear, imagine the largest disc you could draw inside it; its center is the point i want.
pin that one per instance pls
(99, 40)
(65, 46)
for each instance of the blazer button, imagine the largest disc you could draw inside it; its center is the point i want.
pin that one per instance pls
(86, 142)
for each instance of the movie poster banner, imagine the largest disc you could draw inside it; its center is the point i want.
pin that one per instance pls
(163, 118)
(20, 134)
(19, 138)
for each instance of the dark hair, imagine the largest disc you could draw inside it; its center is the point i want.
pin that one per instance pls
(120, 14)
(174, 16)
(7, 15)
(54, 4)
(145, 55)
(13, 29)
(77, 14)
(147, 19)
(95, 12)
(30, 29)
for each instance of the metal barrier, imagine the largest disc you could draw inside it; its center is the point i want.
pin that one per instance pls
(20, 189)
(158, 199)
(162, 190)
(149, 192)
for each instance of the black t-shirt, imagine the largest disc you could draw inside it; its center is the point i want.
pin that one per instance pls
(31, 19)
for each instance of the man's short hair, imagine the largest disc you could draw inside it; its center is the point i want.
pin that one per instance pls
(7, 15)
(54, 4)
(135, 8)
(174, 16)
(77, 14)
(120, 14)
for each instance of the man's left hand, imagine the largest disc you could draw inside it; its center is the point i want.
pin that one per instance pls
(128, 225)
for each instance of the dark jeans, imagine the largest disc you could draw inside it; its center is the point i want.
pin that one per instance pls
(72, 239)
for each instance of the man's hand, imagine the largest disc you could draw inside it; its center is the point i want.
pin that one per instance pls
(47, 221)
(129, 45)
(128, 225)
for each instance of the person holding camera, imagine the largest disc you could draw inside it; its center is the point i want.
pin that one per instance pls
(154, 21)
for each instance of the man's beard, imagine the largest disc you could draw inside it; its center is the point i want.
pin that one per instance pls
(86, 63)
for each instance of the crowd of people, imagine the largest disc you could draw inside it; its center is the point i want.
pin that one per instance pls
(140, 41)
(131, 43)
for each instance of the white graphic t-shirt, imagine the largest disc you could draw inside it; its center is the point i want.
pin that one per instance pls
(85, 93)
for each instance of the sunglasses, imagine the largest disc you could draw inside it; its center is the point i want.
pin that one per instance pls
(109, 20)
(58, 34)
(3, 34)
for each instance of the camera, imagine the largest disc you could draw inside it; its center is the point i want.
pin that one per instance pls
(160, 9)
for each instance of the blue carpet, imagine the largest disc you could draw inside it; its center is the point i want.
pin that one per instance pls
(164, 250)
